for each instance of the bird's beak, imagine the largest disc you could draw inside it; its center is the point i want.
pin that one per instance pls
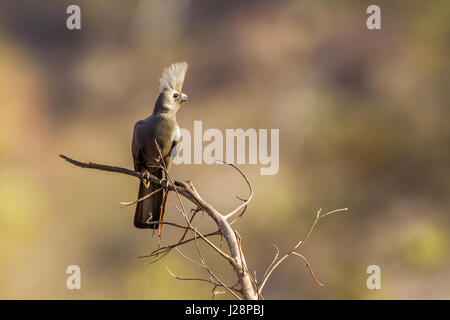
(184, 97)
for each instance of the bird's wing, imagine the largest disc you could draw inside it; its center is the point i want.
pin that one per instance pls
(136, 149)
(174, 147)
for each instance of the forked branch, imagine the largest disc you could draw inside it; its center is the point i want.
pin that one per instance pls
(187, 190)
(250, 287)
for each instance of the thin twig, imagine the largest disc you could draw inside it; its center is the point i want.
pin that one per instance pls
(246, 202)
(308, 265)
(270, 265)
(125, 204)
(172, 246)
(211, 273)
(274, 264)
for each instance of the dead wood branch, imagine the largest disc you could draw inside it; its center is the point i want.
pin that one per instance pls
(187, 190)
(250, 287)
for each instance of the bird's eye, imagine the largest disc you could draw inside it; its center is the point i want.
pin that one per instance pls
(175, 95)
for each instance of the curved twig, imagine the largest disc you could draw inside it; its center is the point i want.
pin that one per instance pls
(245, 202)
(126, 204)
(274, 264)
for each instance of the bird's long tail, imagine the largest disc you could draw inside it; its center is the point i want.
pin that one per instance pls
(150, 209)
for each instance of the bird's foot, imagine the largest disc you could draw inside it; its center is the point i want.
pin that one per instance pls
(146, 179)
(164, 183)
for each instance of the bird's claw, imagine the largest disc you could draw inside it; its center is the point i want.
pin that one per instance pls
(164, 183)
(146, 179)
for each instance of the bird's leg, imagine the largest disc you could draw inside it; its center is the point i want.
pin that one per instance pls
(164, 183)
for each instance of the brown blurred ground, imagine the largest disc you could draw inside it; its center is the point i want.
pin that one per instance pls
(363, 118)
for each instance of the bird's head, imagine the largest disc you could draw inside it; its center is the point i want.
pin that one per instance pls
(170, 95)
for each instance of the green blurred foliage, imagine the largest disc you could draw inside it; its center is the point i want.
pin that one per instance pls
(425, 247)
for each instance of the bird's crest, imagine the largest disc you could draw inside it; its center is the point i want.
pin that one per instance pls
(173, 76)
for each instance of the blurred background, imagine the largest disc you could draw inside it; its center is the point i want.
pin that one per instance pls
(364, 123)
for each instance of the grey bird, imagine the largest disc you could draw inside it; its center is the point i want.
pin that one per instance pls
(159, 129)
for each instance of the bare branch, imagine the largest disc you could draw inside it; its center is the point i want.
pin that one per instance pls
(189, 279)
(212, 245)
(239, 216)
(244, 263)
(187, 190)
(250, 288)
(245, 202)
(189, 259)
(169, 224)
(309, 268)
(270, 265)
(170, 247)
(92, 165)
(211, 273)
(125, 204)
(274, 265)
